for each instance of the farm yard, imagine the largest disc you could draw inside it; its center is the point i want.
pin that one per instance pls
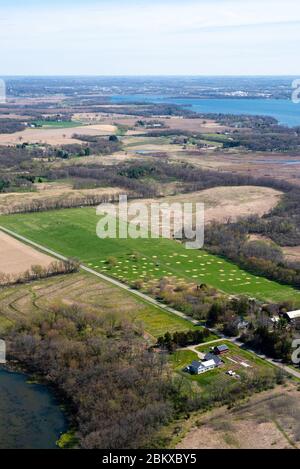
(72, 232)
(21, 301)
(236, 360)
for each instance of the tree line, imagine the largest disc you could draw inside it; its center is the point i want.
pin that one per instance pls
(182, 339)
(37, 272)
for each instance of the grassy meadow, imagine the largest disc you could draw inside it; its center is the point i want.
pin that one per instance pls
(22, 301)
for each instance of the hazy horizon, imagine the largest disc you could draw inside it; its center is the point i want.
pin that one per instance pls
(157, 38)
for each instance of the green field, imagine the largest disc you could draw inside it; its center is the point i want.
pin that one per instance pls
(57, 125)
(72, 232)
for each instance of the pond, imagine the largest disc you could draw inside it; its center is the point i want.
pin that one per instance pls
(30, 416)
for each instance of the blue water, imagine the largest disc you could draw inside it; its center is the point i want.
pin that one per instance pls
(30, 417)
(286, 112)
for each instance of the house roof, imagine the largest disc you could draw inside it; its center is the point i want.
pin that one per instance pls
(293, 314)
(215, 358)
(222, 348)
(196, 364)
(208, 363)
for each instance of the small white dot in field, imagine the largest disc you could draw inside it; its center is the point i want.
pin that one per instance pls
(178, 262)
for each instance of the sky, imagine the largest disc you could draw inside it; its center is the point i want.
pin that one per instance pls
(150, 37)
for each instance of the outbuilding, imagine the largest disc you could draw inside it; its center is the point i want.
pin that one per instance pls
(220, 349)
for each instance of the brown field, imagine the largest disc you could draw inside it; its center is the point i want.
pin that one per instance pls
(228, 203)
(291, 253)
(56, 136)
(269, 420)
(16, 257)
(53, 192)
(136, 144)
(11, 115)
(191, 125)
(264, 164)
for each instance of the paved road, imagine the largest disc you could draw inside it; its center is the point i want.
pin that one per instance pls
(147, 299)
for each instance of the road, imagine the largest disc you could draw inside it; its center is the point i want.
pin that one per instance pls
(147, 299)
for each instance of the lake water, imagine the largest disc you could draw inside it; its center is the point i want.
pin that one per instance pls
(30, 416)
(286, 112)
